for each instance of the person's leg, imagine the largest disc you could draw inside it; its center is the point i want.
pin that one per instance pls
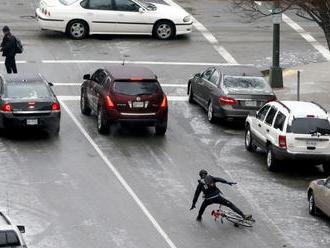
(13, 65)
(7, 64)
(202, 209)
(225, 202)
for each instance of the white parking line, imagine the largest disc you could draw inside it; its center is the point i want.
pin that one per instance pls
(163, 85)
(307, 36)
(209, 37)
(120, 178)
(169, 98)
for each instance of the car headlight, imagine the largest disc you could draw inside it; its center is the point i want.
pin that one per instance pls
(187, 19)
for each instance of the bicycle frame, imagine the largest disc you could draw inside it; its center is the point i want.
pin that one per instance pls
(230, 216)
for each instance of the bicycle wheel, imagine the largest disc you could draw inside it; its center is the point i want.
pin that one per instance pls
(237, 219)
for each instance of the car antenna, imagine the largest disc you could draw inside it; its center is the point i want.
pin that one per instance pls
(7, 199)
(124, 58)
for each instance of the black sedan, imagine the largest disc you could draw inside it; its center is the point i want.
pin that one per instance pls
(230, 91)
(28, 101)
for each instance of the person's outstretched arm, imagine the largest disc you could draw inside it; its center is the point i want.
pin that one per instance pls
(196, 195)
(221, 180)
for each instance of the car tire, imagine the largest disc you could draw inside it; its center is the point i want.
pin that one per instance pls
(191, 95)
(271, 161)
(164, 30)
(311, 205)
(77, 29)
(103, 125)
(161, 128)
(326, 168)
(249, 145)
(210, 113)
(84, 105)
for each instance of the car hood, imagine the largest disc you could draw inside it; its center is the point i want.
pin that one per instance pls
(169, 10)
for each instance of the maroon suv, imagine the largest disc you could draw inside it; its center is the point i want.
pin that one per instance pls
(124, 94)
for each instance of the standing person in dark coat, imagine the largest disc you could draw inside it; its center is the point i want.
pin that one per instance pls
(8, 48)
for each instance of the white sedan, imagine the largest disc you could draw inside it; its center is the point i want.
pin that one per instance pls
(79, 18)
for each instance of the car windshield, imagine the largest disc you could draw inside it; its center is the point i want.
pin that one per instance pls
(27, 90)
(68, 2)
(136, 88)
(9, 239)
(310, 126)
(246, 83)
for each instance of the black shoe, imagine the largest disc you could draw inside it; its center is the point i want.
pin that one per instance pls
(249, 217)
(199, 218)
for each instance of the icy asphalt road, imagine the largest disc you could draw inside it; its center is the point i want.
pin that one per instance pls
(66, 195)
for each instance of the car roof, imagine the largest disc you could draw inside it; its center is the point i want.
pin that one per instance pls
(126, 72)
(302, 109)
(240, 70)
(14, 78)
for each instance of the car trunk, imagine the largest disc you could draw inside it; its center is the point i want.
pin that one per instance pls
(31, 107)
(309, 135)
(251, 102)
(137, 97)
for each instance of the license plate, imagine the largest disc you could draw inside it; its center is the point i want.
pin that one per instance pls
(250, 103)
(32, 122)
(311, 143)
(138, 104)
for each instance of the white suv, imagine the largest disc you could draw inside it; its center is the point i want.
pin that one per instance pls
(290, 130)
(11, 235)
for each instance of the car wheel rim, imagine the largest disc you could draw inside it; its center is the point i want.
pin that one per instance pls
(164, 31)
(248, 138)
(269, 158)
(99, 119)
(311, 203)
(210, 112)
(77, 30)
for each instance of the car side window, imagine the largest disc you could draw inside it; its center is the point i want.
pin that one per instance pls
(99, 4)
(101, 78)
(279, 121)
(207, 74)
(270, 116)
(215, 77)
(262, 112)
(126, 5)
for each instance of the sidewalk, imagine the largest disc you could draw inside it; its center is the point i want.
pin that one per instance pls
(315, 84)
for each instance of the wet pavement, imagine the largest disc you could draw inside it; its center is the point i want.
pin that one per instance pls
(66, 194)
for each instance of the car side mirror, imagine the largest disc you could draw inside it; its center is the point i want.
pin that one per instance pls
(141, 10)
(50, 84)
(87, 77)
(21, 229)
(198, 75)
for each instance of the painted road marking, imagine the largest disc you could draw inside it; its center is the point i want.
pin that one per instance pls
(169, 98)
(209, 37)
(307, 36)
(119, 177)
(163, 85)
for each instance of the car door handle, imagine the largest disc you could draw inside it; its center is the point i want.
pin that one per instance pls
(259, 125)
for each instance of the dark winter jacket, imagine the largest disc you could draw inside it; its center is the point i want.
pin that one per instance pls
(8, 46)
(209, 191)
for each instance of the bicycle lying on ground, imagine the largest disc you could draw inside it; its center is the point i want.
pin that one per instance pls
(232, 217)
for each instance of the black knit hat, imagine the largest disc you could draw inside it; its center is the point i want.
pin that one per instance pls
(5, 29)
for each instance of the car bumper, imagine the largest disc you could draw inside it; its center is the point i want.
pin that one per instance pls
(48, 23)
(9, 120)
(229, 112)
(283, 154)
(184, 28)
(146, 119)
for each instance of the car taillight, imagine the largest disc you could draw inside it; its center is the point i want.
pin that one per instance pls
(6, 107)
(56, 106)
(109, 103)
(163, 105)
(282, 141)
(227, 100)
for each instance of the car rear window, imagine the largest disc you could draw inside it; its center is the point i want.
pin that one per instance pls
(27, 90)
(9, 239)
(239, 82)
(136, 88)
(309, 126)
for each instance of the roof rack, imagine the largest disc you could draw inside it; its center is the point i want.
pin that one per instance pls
(284, 106)
(320, 106)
